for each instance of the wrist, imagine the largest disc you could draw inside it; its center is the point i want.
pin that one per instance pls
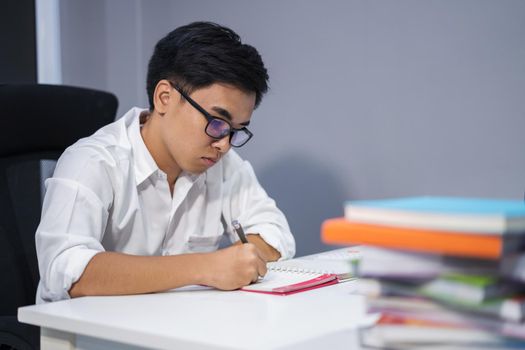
(204, 272)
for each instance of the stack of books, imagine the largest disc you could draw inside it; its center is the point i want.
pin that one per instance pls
(439, 271)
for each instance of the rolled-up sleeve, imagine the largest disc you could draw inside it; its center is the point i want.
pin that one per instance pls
(73, 222)
(249, 203)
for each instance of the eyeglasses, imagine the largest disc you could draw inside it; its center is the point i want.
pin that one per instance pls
(218, 128)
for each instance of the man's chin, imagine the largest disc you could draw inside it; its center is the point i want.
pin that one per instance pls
(198, 170)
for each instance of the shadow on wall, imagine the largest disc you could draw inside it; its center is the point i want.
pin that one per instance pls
(308, 192)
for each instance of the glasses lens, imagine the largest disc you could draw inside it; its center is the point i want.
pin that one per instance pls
(239, 138)
(218, 128)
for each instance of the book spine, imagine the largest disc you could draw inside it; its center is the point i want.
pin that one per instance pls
(508, 309)
(341, 231)
(478, 224)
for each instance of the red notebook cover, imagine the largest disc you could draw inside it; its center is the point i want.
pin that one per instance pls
(282, 286)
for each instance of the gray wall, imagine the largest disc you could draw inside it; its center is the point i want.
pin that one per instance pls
(368, 99)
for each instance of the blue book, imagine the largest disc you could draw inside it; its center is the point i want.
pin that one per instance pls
(476, 215)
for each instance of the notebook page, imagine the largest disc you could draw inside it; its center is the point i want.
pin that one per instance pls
(340, 262)
(278, 279)
(311, 266)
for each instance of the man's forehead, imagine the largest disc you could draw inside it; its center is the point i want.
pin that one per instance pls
(227, 102)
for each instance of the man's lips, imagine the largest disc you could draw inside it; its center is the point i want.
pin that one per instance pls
(211, 160)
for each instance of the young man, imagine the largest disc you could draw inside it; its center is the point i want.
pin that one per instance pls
(141, 205)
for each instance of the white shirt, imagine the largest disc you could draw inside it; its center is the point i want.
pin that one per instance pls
(108, 194)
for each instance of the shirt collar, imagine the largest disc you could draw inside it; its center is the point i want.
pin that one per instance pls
(143, 163)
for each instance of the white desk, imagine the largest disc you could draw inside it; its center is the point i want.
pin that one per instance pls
(202, 319)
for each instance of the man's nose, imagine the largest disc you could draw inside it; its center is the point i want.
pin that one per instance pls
(223, 145)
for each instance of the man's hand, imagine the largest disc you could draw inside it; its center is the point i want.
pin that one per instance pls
(234, 267)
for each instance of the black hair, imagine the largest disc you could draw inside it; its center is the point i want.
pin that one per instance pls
(200, 54)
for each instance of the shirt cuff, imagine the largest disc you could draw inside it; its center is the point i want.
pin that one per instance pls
(72, 262)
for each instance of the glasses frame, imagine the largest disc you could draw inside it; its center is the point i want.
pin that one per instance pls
(211, 118)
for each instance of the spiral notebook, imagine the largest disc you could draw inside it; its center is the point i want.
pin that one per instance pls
(306, 273)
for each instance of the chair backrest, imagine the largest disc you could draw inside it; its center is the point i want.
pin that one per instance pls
(38, 123)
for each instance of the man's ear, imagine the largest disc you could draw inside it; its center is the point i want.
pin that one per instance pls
(161, 96)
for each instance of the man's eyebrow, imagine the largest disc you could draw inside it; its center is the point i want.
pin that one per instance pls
(226, 115)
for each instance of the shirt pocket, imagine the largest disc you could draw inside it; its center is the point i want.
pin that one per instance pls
(203, 244)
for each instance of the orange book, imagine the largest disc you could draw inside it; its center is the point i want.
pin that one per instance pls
(342, 231)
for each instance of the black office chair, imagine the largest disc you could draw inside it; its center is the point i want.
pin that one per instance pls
(38, 122)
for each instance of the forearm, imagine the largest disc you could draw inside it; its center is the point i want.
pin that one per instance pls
(110, 273)
(269, 253)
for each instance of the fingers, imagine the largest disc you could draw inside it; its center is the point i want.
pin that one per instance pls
(238, 266)
(259, 261)
(261, 267)
(253, 264)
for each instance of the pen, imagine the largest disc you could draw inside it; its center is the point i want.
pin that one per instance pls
(240, 232)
